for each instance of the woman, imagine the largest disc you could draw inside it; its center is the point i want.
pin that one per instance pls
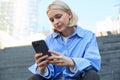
(75, 54)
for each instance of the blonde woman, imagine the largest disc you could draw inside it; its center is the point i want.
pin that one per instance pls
(75, 54)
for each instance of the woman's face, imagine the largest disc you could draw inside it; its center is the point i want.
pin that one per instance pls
(59, 19)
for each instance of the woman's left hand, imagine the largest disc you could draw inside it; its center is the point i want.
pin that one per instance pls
(60, 60)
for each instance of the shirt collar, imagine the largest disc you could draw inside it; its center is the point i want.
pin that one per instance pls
(56, 34)
(79, 32)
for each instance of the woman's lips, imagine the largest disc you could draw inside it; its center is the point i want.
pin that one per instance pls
(58, 27)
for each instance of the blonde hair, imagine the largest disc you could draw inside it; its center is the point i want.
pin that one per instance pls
(58, 4)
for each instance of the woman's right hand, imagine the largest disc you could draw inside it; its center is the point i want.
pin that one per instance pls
(41, 61)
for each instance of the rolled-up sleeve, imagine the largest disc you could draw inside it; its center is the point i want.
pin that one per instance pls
(90, 57)
(48, 73)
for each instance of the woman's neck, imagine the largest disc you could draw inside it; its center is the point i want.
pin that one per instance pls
(69, 31)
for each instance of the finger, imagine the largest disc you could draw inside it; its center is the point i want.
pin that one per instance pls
(41, 58)
(37, 55)
(56, 62)
(54, 52)
(51, 57)
(43, 63)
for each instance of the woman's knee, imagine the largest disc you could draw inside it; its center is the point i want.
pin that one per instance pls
(36, 77)
(91, 75)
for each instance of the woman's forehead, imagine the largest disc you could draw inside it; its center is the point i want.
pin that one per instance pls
(52, 12)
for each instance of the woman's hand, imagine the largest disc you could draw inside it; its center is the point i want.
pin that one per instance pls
(41, 61)
(60, 60)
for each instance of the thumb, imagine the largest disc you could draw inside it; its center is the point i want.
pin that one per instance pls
(54, 52)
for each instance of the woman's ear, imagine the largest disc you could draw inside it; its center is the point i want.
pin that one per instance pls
(70, 14)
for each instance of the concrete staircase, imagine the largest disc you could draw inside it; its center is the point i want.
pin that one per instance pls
(109, 47)
(15, 61)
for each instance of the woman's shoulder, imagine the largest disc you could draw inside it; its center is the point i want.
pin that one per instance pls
(52, 36)
(84, 32)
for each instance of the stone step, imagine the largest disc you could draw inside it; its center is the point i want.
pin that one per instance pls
(14, 63)
(14, 72)
(102, 53)
(108, 68)
(110, 65)
(110, 76)
(15, 76)
(108, 39)
(111, 46)
(110, 57)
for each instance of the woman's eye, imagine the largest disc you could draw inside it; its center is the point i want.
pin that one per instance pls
(58, 16)
(52, 20)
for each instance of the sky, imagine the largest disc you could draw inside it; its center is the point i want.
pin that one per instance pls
(88, 11)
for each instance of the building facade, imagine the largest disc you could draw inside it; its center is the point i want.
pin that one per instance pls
(110, 25)
(21, 17)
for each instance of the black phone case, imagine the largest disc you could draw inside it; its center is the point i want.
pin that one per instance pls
(40, 47)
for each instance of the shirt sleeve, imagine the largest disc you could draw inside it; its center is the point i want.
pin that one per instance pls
(34, 70)
(72, 69)
(81, 64)
(91, 57)
(48, 73)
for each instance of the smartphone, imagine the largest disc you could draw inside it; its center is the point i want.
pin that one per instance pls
(40, 47)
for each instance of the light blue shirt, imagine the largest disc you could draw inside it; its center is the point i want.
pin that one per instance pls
(81, 46)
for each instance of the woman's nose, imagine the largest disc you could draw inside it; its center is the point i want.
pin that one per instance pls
(56, 21)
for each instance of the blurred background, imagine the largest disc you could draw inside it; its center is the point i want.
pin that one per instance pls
(23, 21)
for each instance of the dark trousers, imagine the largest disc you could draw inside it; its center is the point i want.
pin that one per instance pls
(89, 75)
